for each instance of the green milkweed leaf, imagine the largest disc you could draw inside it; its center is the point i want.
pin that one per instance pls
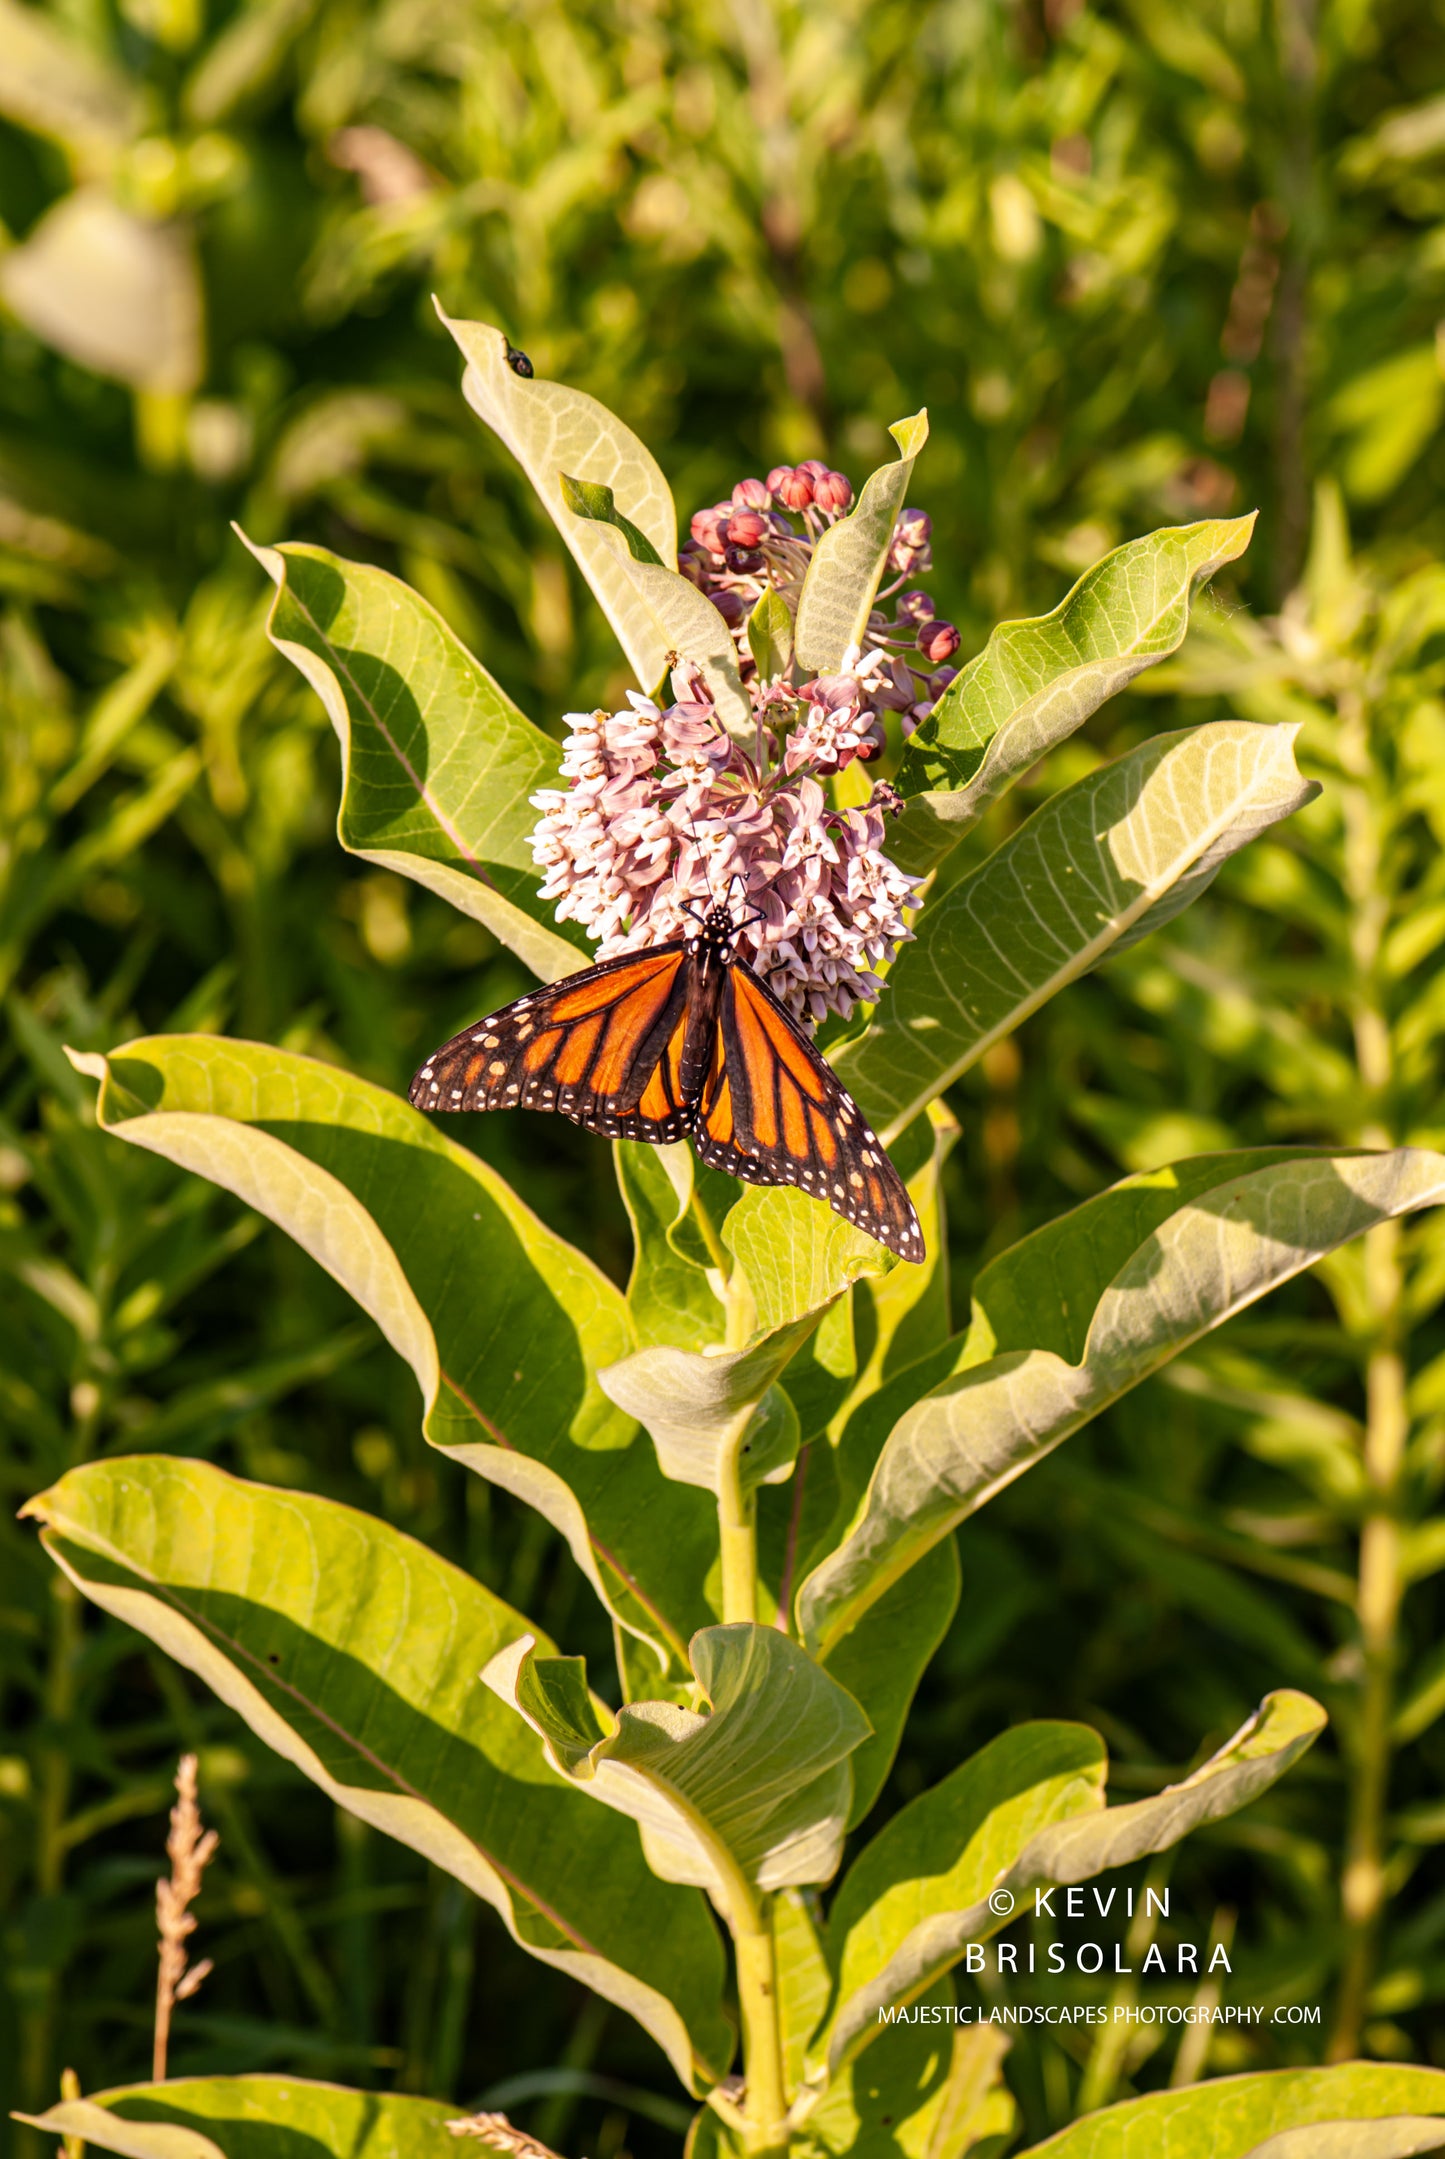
(803, 1979)
(354, 1652)
(752, 1796)
(1229, 2117)
(1083, 1840)
(1073, 1316)
(847, 565)
(438, 765)
(551, 429)
(250, 2117)
(718, 1414)
(715, 1418)
(1093, 870)
(686, 621)
(946, 1848)
(797, 1255)
(1036, 681)
(921, 2091)
(770, 636)
(901, 1317)
(883, 1658)
(924, 2090)
(670, 1294)
(1398, 2137)
(503, 1323)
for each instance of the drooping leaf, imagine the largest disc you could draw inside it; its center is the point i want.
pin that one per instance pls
(1036, 681)
(1083, 1842)
(942, 1852)
(706, 1410)
(1229, 2117)
(438, 765)
(354, 1652)
(551, 429)
(503, 1323)
(1094, 869)
(1081, 1311)
(251, 2117)
(751, 1797)
(847, 566)
(713, 1417)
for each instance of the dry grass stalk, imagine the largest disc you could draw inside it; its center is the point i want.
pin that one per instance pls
(496, 2130)
(189, 1850)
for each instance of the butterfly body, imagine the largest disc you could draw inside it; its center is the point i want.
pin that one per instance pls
(682, 1039)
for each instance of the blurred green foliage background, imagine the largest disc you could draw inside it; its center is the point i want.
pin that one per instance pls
(1143, 264)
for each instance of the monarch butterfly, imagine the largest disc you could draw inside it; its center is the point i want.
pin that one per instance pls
(682, 1038)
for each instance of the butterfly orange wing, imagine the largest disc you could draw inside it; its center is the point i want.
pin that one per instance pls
(603, 1047)
(773, 1113)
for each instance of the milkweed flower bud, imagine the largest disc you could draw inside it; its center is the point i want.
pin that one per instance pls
(938, 641)
(745, 528)
(742, 548)
(910, 549)
(706, 528)
(939, 682)
(833, 492)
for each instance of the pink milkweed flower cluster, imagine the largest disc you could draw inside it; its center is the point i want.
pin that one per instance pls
(663, 809)
(763, 537)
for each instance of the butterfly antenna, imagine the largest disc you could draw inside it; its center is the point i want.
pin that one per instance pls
(702, 858)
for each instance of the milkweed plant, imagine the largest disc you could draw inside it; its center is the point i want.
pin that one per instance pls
(758, 1453)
